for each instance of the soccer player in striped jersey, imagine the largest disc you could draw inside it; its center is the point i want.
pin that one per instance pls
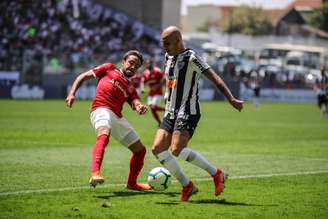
(183, 69)
(113, 90)
(321, 88)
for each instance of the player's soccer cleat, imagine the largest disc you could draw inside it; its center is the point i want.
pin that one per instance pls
(139, 187)
(219, 178)
(188, 191)
(95, 180)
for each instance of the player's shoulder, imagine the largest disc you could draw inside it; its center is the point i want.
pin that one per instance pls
(106, 66)
(191, 55)
(189, 52)
(198, 61)
(110, 65)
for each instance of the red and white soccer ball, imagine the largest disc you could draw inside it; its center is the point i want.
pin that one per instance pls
(159, 178)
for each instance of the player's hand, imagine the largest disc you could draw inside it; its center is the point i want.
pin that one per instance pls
(141, 109)
(237, 104)
(70, 100)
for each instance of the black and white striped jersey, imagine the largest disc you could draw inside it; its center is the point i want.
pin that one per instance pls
(182, 74)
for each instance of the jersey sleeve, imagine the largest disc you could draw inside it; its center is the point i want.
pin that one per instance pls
(199, 64)
(101, 70)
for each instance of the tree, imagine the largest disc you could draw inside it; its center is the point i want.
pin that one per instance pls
(249, 21)
(319, 18)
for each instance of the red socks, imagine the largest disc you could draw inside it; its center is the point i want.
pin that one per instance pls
(136, 161)
(98, 152)
(136, 164)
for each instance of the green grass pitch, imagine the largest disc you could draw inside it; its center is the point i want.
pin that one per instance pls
(276, 157)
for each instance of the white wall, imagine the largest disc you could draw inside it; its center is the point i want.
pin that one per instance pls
(197, 16)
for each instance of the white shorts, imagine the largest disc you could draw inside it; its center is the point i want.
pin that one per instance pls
(120, 128)
(154, 100)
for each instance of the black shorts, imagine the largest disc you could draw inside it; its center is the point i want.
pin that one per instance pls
(189, 123)
(322, 99)
(257, 92)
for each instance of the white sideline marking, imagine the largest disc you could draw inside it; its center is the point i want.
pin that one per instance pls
(197, 179)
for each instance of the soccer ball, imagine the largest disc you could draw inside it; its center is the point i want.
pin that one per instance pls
(159, 178)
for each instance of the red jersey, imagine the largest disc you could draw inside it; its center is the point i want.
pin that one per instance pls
(113, 89)
(154, 80)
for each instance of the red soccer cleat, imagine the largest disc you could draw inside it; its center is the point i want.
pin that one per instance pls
(139, 187)
(188, 191)
(219, 179)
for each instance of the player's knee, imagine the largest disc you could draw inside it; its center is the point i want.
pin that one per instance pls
(137, 147)
(142, 150)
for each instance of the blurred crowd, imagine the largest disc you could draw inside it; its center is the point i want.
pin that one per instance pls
(67, 33)
(245, 70)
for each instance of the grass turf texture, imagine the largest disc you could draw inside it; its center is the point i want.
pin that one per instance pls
(45, 146)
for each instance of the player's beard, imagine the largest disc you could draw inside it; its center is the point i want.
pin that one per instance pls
(128, 73)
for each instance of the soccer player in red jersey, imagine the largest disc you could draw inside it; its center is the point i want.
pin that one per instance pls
(154, 78)
(113, 90)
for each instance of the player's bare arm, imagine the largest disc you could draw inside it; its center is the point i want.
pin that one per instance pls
(139, 107)
(219, 83)
(76, 84)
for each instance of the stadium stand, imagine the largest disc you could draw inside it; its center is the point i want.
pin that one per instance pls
(62, 35)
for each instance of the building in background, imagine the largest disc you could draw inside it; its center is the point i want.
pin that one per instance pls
(286, 19)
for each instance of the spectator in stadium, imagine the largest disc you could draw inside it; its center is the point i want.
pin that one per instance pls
(321, 88)
(113, 90)
(255, 85)
(153, 77)
(183, 69)
(75, 28)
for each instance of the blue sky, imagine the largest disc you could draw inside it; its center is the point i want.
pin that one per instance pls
(267, 4)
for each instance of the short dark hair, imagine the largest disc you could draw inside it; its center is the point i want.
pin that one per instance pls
(134, 53)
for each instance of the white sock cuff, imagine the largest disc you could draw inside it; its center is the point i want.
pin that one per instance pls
(163, 156)
(184, 154)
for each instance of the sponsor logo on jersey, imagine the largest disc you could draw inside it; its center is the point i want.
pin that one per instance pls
(198, 64)
(119, 86)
